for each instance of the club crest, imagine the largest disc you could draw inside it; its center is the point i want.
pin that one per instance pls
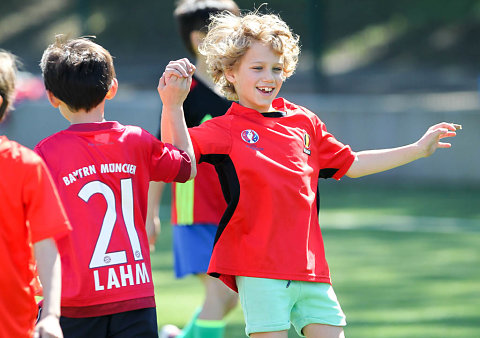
(250, 136)
(306, 144)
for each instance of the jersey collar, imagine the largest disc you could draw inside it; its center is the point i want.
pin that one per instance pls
(278, 104)
(95, 126)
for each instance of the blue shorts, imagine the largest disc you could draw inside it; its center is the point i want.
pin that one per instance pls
(272, 304)
(192, 248)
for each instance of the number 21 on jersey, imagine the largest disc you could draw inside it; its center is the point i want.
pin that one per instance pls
(100, 256)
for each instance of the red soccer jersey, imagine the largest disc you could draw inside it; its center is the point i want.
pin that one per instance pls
(269, 167)
(102, 171)
(30, 211)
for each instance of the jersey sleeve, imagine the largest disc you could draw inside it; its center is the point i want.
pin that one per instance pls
(211, 137)
(335, 157)
(43, 208)
(169, 163)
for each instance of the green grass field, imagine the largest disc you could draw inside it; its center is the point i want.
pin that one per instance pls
(405, 262)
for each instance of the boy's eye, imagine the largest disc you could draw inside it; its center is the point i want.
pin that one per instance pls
(257, 68)
(277, 69)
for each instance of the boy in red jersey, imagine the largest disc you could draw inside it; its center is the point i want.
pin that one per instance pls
(269, 154)
(198, 205)
(31, 216)
(102, 170)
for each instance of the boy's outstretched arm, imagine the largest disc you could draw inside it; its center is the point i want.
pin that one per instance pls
(173, 88)
(374, 161)
(49, 270)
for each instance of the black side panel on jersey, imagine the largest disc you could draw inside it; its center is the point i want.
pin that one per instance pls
(230, 186)
(327, 172)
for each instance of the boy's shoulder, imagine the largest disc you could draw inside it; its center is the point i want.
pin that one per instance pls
(91, 129)
(293, 107)
(14, 152)
(49, 139)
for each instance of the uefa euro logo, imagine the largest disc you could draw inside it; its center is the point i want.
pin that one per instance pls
(250, 136)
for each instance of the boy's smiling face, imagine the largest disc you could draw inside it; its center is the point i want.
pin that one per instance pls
(257, 77)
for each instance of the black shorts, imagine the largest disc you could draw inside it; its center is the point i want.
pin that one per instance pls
(137, 323)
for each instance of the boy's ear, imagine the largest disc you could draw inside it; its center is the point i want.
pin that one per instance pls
(230, 75)
(113, 90)
(53, 99)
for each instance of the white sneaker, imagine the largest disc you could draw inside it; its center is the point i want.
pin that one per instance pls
(169, 331)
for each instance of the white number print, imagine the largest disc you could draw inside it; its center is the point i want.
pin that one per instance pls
(100, 256)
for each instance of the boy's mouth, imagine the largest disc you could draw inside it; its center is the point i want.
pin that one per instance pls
(265, 90)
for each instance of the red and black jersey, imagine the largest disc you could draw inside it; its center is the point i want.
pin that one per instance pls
(269, 165)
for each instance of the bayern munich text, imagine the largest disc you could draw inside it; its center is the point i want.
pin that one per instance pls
(105, 168)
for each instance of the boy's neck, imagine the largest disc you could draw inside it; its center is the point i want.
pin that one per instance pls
(96, 114)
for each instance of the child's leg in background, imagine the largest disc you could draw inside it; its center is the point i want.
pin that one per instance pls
(209, 320)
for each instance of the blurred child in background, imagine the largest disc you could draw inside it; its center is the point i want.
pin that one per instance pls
(197, 205)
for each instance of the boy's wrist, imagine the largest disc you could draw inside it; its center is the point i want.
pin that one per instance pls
(49, 314)
(419, 151)
(172, 106)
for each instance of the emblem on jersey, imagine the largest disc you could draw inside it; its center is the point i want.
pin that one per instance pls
(306, 144)
(250, 136)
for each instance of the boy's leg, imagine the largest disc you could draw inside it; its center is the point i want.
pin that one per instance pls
(317, 312)
(136, 323)
(84, 327)
(219, 299)
(208, 322)
(192, 250)
(323, 331)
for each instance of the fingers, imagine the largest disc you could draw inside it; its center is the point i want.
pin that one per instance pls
(444, 145)
(180, 68)
(449, 126)
(448, 134)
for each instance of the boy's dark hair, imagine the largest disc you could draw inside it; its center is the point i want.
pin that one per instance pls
(194, 15)
(8, 69)
(79, 72)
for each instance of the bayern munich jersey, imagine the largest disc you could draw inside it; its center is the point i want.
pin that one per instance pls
(269, 165)
(102, 172)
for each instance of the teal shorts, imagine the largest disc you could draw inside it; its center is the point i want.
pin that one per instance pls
(272, 304)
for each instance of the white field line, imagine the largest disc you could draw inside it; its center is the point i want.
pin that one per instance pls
(398, 223)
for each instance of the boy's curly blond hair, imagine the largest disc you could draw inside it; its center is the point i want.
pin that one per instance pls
(229, 37)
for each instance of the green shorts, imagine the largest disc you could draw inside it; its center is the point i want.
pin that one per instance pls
(272, 304)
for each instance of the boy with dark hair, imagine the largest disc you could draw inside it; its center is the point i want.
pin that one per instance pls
(269, 154)
(31, 216)
(198, 205)
(102, 170)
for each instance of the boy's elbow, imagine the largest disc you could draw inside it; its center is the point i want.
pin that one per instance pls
(354, 170)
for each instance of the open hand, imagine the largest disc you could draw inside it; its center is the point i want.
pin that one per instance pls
(430, 141)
